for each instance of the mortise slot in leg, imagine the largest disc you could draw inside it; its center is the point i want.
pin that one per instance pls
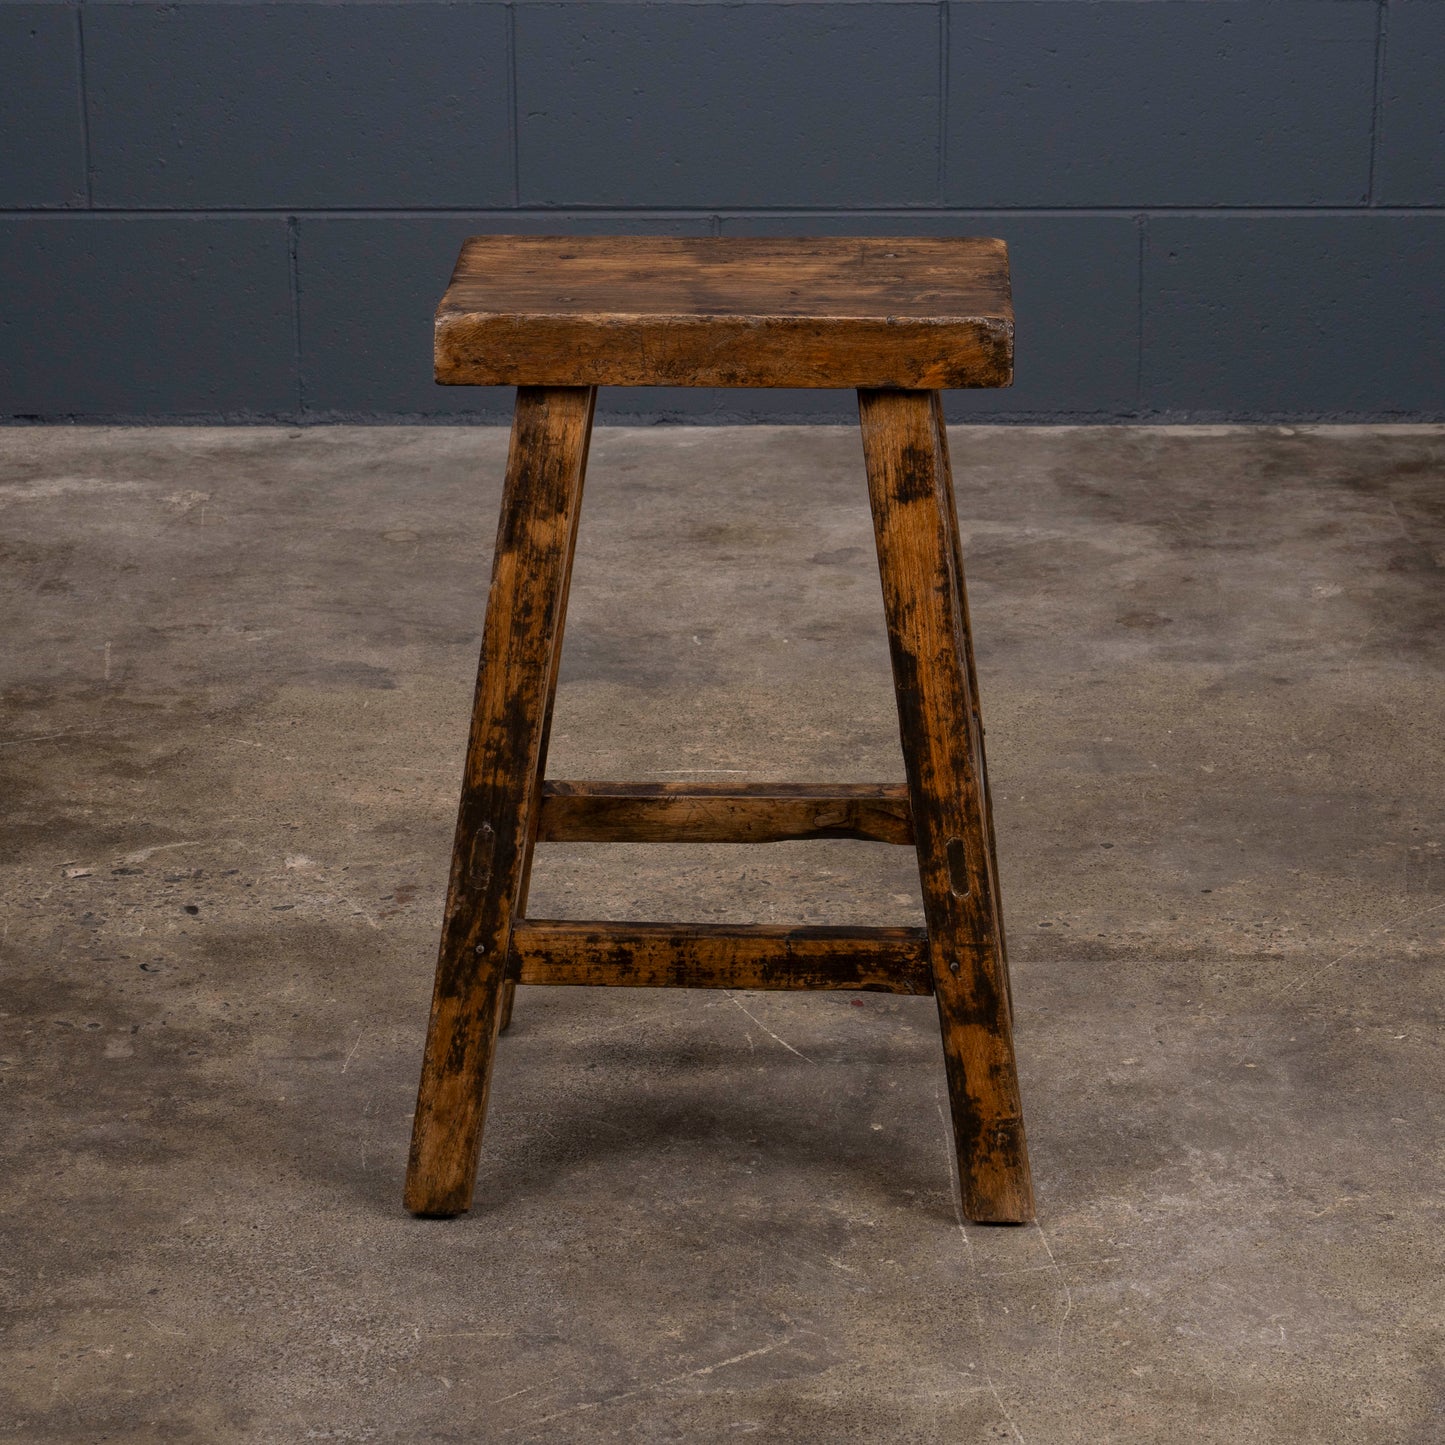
(957, 855)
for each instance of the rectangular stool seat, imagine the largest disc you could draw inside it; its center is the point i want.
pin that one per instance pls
(921, 313)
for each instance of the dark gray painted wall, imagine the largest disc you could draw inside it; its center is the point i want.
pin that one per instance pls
(1217, 208)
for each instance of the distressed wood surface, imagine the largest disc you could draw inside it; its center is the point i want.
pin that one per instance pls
(721, 955)
(500, 788)
(509, 983)
(896, 318)
(733, 311)
(916, 534)
(977, 729)
(584, 812)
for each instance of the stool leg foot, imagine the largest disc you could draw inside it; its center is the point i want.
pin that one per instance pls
(923, 590)
(496, 822)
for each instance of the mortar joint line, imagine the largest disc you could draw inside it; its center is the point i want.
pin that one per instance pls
(1142, 227)
(105, 211)
(514, 123)
(1377, 99)
(84, 106)
(941, 183)
(293, 266)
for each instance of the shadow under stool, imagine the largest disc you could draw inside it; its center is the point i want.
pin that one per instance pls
(896, 319)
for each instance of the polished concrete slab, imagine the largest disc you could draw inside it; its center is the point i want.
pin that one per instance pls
(235, 681)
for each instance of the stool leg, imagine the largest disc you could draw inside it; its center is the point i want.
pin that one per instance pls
(509, 984)
(976, 713)
(916, 531)
(496, 821)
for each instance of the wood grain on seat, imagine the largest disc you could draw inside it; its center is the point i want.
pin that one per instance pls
(668, 311)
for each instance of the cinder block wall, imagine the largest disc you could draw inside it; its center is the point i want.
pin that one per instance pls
(1218, 209)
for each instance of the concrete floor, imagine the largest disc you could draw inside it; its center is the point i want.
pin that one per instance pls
(235, 685)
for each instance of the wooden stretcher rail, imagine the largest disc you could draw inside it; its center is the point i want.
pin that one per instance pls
(721, 955)
(577, 812)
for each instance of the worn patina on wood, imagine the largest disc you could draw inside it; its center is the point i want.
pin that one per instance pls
(895, 319)
(923, 596)
(727, 311)
(723, 812)
(500, 788)
(722, 955)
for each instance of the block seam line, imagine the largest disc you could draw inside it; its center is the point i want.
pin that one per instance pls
(84, 106)
(1142, 226)
(705, 215)
(1377, 106)
(293, 266)
(941, 185)
(514, 125)
(501, 416)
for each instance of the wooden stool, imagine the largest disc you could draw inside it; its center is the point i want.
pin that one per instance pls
(896, 319)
